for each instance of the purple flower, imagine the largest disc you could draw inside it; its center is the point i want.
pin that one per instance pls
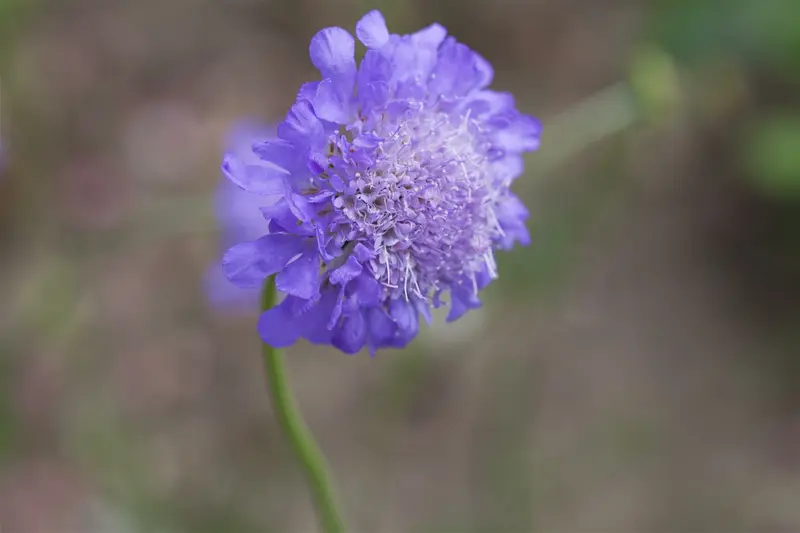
(393, 183)
(239, 213)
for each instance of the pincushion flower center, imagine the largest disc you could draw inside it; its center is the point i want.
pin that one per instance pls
(426, 203)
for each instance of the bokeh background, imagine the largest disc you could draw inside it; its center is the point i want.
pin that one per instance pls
(636, 369)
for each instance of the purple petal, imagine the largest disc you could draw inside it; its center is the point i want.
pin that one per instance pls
(488, 103)
(302, 127)
(373, 79)
(367, 289)
(424, 309)
(322, 244)
(512, 213)
(337, 183)
(482, 279)
(405, 316)
(515, 132)
(459, 70)
(280, 213)
(483, 71)
(367, 140)
(371, 30)
(280, 153)
(332, 51)
(381, 330)
(508, 168)
(315, 321)
(255, 179)
(362, 253)
(430, 36)
(352, 334)
(461, 300)
(300, 277)
(330, 104)
(278, 327)
(316, 163)
(414, 56)
(336, 312)
(301, 207)
(249, 263)
(307, 90)
(319, 197)
(348, 271)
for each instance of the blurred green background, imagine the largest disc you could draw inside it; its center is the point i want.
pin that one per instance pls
(634, 370)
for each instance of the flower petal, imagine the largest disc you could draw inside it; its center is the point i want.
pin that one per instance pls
(323, 242)
(330, 104)
(373, 79)
(348, 271)
(404, 314)
(506, 169)
(381, 330)
(278, 327)
(429, 36)
(301, 207)
(300, 277)
(489, 103)
(424, 309)
(367, 289)
(336, 312)
(371, 30)
(515, 132)
(315, 321)
(462, 299)
(352, 334)
(512, 213)
(459, 70)
(307, 90)
(302, 127)
(332, 51)
(362, 253)
(255, 179)
(279, 152)
(280, 213)
(249, 263)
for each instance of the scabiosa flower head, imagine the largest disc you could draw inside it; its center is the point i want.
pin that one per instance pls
(393, 180)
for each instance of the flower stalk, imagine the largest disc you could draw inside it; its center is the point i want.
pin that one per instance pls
(300, 439)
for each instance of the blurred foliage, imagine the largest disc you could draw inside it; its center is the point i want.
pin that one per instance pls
(772, 152)
(762, 38)
(763, 32)
(10, 19)
(743, 60)
(654, 79)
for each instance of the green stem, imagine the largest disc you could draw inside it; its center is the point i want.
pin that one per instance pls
(302, 442)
